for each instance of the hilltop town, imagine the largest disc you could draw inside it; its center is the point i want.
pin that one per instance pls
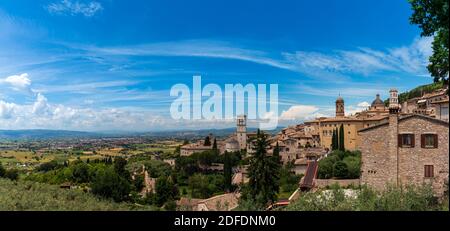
(392, 142)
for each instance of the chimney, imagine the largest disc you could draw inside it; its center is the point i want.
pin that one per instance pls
(393, 135)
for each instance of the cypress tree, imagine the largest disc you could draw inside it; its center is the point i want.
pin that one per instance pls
(341, 138)
(214, 145)
(334, 140)
(227, 171)
(207, 141)
(263, 173)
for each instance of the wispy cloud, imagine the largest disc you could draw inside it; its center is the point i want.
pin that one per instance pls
(68, 7)
(362, 60)
(410, 59)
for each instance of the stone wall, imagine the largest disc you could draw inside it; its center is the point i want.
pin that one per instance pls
(381, 157)
(322, 183)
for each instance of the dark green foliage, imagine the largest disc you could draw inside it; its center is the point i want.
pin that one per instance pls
(12, 174)
(432, 17)
(199, 186)
(325, 170)
(405, 198)
(334, 140)
(138, 182)
(80, 173)
(109, 184)
(353, 166)
(340, 170)
(48, 166)
(341, 138)
(263, 173)
(288, 180)
(351, 159)
(170, 205)
(417, 92)
(207, 141)
(166, 190)
(32, 196)
(2, 170)
(119, 167)
(215, 145)
(227, 171)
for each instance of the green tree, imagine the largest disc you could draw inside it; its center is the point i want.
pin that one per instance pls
(165, 190)
(80, 173)
(334, 140)
(325, 170)
(353, 165)
(341, 138)
(2, 170)
(12, 174)
(227, 171)
(263, 173)
(199, 186)
(340, 170)
(432, 17)
(207, 141)
(107, 183)
(215, 145)
(119, 167)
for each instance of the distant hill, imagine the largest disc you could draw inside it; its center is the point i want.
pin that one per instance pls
(417, 92)
(44, 134)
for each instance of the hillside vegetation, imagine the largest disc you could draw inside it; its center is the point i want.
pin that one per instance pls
(28, 195)
(418, 91)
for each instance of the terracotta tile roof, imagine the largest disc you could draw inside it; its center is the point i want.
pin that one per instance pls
(404, 118)
(224, 202)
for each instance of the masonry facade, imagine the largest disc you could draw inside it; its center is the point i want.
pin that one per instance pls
(409, 149)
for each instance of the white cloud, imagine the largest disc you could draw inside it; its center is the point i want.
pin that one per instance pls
(87, 9)
(352, 109)
(411, 59)
(6, 109)
(363, 104)
(18, 82)
(301, 112)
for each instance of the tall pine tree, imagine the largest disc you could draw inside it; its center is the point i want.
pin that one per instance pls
(334, 140)
(227, 171)
(263, 173)
(341, 138)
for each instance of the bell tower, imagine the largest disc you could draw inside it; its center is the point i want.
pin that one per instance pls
(340, 107)
(241, 131)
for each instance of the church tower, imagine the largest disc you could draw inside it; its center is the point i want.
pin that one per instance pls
(340, 107)
(241, 132)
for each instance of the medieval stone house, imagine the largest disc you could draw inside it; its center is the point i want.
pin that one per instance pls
(409, 149)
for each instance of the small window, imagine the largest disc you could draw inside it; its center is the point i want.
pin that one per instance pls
(406, 140)
(429, 171)
(429, 140)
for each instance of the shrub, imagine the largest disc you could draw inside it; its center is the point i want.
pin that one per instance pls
(48, 166)
(12, 174)
(109, 184)
(340, 170)
(2, 170)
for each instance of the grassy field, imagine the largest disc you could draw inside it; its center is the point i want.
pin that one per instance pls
(32, 196)
(24, 159)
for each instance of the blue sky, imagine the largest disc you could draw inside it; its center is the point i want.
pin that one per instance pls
(109, 65)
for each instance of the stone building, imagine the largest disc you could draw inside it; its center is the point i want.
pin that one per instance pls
(408, 149)
(441, 109)
(324, 126)
(241, 131)
(236, 142)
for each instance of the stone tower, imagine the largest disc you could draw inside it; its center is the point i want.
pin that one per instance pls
(241, 131)
(340, 107)
(393, 137)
